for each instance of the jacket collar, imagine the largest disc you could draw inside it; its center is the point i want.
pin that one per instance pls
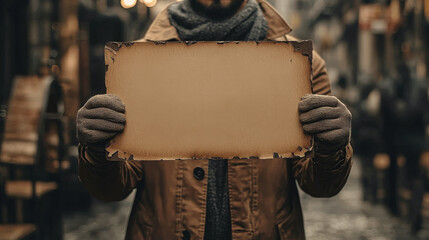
(162, 30)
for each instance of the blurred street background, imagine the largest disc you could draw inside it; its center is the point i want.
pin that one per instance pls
(52, 61)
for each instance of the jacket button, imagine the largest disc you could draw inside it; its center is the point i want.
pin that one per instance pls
(199, 173)
(186, 235)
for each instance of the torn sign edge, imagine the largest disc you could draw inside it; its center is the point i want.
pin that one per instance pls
(305, 47)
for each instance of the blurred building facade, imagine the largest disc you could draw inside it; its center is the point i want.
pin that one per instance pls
(46, 44)
(377, 57)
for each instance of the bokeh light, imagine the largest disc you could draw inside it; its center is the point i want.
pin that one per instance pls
(128, 3)
(149, 3)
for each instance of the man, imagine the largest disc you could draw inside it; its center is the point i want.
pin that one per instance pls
(218, 199)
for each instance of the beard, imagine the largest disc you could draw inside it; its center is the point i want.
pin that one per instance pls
(216, 10)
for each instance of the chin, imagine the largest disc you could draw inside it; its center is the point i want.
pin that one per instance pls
(217, 8)
(219, 3)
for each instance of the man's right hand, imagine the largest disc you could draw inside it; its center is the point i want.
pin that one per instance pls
(100, 119)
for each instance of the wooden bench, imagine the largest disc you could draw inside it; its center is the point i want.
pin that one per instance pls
(24, 189)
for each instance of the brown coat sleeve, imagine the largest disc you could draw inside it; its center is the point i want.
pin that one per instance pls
(108, 181)
(323, 175)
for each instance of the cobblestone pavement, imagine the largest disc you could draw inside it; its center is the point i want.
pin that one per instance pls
(104, 221)
(344, 217)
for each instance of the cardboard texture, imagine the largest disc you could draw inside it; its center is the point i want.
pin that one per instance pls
(209, 99)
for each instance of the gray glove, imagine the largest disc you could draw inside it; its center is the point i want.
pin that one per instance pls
(328, 119)
(99, 120)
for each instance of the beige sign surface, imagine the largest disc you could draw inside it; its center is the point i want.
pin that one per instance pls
(209, 99)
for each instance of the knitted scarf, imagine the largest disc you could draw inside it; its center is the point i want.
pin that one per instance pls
(248, 24)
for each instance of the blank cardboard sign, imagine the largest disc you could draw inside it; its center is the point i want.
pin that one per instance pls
(209, 99)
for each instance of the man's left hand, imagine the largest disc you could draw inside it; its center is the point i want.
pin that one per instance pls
(328, 119)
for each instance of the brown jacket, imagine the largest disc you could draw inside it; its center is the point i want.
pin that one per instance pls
(170, 202)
